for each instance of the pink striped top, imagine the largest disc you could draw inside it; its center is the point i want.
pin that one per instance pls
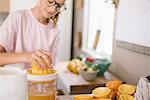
(21, 32)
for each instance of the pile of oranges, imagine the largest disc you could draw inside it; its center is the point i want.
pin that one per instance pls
(114, 90)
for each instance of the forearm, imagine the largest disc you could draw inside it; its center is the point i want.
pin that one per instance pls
(12, 58)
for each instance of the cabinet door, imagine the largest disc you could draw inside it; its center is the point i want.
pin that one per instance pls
(4, 6)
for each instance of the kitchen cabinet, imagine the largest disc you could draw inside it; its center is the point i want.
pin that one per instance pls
(13, 5)
(4, 6)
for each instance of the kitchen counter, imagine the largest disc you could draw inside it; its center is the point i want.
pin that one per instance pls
(71, 83)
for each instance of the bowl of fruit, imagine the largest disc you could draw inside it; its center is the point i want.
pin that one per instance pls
(89, 73)
(101, 64)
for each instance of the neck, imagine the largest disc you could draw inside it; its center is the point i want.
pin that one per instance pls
(38, 16)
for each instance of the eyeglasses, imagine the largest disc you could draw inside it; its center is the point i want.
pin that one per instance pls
(58, 6)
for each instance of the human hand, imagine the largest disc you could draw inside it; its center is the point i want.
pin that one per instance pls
(42, 59)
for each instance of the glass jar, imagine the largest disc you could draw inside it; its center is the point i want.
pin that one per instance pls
(42, 87)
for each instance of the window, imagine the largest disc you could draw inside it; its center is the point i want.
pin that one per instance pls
(98, 17)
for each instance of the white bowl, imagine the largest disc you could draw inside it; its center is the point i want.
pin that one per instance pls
(89, 76)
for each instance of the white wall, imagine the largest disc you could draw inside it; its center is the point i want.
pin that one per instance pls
(130, 66)
(65, 27)
(137, 13)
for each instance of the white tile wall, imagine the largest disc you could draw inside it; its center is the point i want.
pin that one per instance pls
(133, 47)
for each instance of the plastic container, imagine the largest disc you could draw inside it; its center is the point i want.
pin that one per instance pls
(42, 87)
(13, 84)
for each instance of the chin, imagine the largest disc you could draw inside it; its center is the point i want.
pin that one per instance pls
(46, 15)
(49, 15)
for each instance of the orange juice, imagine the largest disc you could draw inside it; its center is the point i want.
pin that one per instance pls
(50, 97)
(42, 87)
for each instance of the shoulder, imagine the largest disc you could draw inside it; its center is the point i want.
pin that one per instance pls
(19, 14)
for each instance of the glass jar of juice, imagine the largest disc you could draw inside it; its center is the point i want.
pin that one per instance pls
(42, 87)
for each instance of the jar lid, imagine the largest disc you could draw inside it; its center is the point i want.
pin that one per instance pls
(47, 77)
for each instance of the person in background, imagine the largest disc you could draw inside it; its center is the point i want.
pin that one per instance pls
(143, 89)
(31, 36)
